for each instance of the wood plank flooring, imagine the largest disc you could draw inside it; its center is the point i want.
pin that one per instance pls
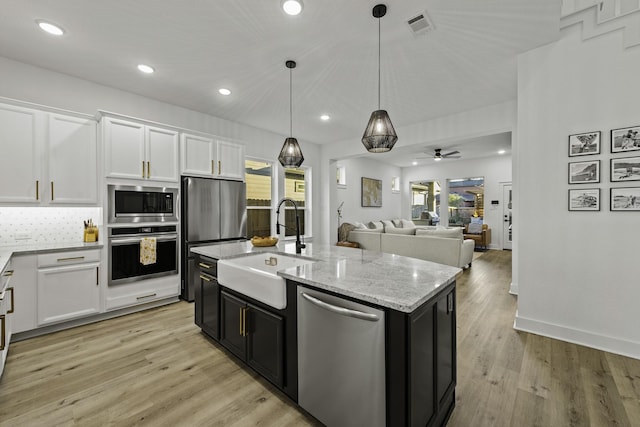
(156, 369)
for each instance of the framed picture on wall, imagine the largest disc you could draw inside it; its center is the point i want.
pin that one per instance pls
(625, 139)
(371, 192)
(584, 199)
(584, 172)
(584, 144)
(625, 199)
(625, 169)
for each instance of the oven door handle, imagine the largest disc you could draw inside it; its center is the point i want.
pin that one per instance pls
(128, 241)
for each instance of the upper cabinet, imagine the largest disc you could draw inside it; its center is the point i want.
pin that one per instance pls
(138, 151)
(211, 158)
(47, 158)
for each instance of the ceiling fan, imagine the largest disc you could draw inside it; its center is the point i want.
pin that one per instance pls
(439, 156)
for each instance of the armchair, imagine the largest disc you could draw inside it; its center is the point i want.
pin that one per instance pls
(481, 238)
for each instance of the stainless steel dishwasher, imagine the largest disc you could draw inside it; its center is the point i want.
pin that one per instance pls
(341, 362)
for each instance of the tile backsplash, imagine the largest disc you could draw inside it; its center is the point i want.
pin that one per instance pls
(33, 225)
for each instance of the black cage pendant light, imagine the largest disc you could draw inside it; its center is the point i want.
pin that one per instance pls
(379, 135)
(291, 154)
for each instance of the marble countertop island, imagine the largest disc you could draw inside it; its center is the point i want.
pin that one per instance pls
(392, 281)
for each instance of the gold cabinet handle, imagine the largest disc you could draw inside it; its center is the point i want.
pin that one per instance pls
(51, 190)
(205, 278)
(148, 169)
(12, 300)
(213, 168)
(203, 265)
(241, 321)
(8, 273)
(37, 190)
(2, 336)
(75, 258)
(219, 167)
(143, 168)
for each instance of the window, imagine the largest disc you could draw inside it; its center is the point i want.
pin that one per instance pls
(425, 202)
(341, 176)
(466, 200)
(395, 184)
(259, 179)
(297, 187)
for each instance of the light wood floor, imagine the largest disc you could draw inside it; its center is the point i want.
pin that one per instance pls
(156, 369)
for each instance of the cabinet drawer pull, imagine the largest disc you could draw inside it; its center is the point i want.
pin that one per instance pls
(203, 265)
(2, 336)
(12, 300)
(51, 190)
(146, 296)
(73, 258)
(205, 278)
(8, 273)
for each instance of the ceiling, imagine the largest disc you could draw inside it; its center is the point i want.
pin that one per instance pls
(198, 46)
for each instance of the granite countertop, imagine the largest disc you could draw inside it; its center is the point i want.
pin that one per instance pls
(387, 280)
(7, 251)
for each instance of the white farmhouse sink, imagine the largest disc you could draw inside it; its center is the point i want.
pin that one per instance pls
(256, 276)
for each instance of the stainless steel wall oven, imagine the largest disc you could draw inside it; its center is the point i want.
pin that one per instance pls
(124, 253)
(134, 204)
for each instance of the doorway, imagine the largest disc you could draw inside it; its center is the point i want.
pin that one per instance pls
(507, 216)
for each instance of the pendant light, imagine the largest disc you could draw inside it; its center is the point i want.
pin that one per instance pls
(379, 135)
(291, 154)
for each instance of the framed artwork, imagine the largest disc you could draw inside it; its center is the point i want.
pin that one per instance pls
(584, 199)
(625, 169)
(371, 192)
(583, 144)
(584, 172)
(625, 139)
(625, 199)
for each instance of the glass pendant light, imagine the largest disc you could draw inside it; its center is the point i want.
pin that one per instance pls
(291, 154)
(379, 135)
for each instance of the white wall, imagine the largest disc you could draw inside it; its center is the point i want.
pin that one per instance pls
(38, 85)
(495, 170)
(577, 275)
(351, 195)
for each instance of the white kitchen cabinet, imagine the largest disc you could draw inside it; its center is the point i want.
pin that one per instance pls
(68, 285)
(211, 158)
(21, 134)
(73, 160)
(135, 150)
(47, 158)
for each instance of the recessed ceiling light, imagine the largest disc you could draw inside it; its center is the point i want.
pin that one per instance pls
(146, 69)
(502, 151)
(414, 163)
(324, 117)
(223, 91)
(292, 7)
(50, 28)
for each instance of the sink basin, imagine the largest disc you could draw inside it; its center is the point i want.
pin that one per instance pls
(256, 276)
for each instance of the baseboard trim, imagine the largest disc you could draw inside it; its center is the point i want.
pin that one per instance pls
(576, 336)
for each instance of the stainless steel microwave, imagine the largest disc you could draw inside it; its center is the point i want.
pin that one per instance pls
(133, 204)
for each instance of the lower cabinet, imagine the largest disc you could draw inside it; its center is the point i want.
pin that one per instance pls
(254, 335)
(207, 298)
(68, 286)
(7, 308)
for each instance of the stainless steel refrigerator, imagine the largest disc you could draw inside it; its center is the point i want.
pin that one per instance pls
(212, 211)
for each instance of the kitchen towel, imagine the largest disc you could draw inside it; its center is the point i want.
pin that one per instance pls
(148, 250)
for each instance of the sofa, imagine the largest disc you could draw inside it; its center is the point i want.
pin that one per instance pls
(479, 233)
(430, 243)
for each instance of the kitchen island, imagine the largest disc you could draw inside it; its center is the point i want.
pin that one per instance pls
(417, 299)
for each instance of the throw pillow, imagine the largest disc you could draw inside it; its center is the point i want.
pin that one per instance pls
(397, 222)
(376, 225)
(359, 225)
(407, 223)
(450, 233)
(475, 229)
(388, 225)
(406, 231)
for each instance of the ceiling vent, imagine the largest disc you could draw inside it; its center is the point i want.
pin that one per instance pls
(420, 24)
